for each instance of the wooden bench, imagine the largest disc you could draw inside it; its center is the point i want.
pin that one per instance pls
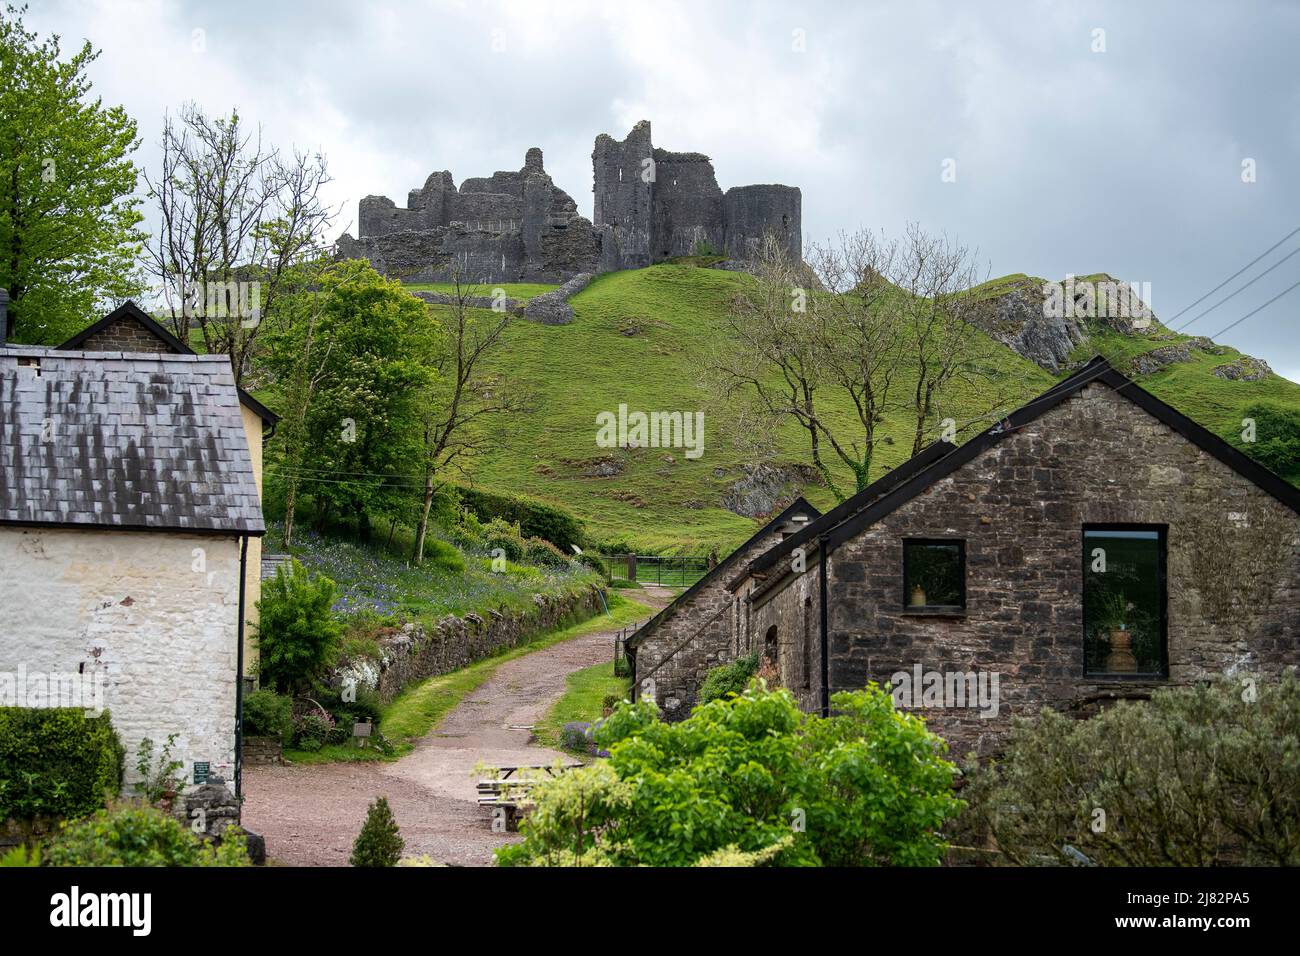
(504, 796)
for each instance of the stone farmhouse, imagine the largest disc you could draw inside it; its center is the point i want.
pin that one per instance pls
(1095, 544)
(650, 205)
(675, 649)
(129, 506)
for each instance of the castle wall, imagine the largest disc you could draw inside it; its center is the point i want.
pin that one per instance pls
(750, 212)
(687, 208)
(622, 205)
(649, 205)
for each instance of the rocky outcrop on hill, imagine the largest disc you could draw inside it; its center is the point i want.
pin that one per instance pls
(1044, 321)
(1245, 369)
(766, 488)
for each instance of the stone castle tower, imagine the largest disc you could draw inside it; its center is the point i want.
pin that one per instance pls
(650, 205)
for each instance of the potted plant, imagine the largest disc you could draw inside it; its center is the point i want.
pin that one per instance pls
(1114, 622)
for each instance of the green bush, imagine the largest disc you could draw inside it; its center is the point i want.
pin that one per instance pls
(728, 679)
(535, 519)
(753, 776)
(57, 762)
(296, 629)
(1277, 438)
(141, 836)
(594, 562)
(541, 552)
(268, 714)
(378, 843)
(312, 731)
(501, 534)
(1197, 776)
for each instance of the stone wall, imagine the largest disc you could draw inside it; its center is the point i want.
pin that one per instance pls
(128, 605)
(751, 213)
(514, 226)
(1233, 567)
(693, 637)
(125, 335)
(411, 654)
(652, 204)
(794, 612)
(649, 205)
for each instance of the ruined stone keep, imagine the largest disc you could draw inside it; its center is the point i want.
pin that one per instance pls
(649, 205)
(1094, 545)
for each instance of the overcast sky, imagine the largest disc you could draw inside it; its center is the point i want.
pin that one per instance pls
(1068, 159)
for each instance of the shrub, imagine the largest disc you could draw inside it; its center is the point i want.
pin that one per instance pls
(534, 519)
(312, 731)
(268, 714)
(541, 552)
(749, 778)
(21, 855)
(56, 762)
(576, 736)
(158, 777)
(1197, 776)
(1277, 438)
(379, 843)
(366, 705)
(728, 679)
(297, 628)
(506, 536)
(133, 835)
(594, 562)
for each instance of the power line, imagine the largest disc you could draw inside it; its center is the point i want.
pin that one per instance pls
(1235, 274)
(1242, 289)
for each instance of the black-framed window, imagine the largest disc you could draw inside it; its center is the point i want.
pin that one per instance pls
(934, 575)
(1125, 600)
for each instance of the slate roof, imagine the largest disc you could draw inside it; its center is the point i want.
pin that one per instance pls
(134, 440)
(835, 528)
(130, 312)
(799, 506)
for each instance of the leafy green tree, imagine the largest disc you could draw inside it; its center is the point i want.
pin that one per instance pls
(379, 843)
(296, 628)
(1276, 443)
(351, 358)
(750, 778)
(68, 219)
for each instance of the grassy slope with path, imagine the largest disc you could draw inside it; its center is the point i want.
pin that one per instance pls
(418, 709)
(583, 700)
(639, 338)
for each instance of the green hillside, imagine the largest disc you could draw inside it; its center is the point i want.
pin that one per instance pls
(639, 338)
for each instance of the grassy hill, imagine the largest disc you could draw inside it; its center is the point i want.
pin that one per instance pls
(638, 338)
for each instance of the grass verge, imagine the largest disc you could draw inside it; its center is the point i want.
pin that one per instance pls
(584, 700)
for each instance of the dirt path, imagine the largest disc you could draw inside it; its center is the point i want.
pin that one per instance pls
(310, 815)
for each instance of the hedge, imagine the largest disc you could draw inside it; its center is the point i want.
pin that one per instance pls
(57, 762)
(535, 519)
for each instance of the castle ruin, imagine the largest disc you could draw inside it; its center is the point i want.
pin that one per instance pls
(650, 205)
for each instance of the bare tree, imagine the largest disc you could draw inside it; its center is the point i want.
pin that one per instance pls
(235, 215)
(772, 355)
(883, 324)
(947, 353)
(466, 395)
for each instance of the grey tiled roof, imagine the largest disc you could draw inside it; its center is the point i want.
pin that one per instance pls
(123, 439)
